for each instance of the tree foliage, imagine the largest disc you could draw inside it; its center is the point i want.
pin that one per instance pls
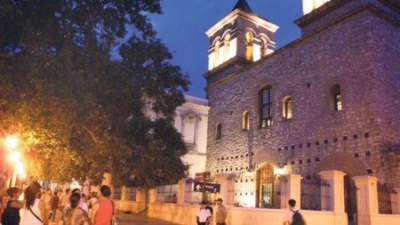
(78, 111)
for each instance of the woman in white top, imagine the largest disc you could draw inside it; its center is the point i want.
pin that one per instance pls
(34, 209)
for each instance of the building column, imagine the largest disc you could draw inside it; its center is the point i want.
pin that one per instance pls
(332, 196)
(222, 180)
(395, 197)
(290, 189)
(123, 193)
(152, 195)
(335, 201)
(106, 179)
(181, 191)
(367, 198)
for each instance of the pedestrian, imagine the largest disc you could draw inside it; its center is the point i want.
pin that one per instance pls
(210, 220)
(293, 216)
(47, 197)
(73, 214)
(103, 210)
(221, 214)
(82, 204)
(203, 215)
(64, 199)
(54, 205)
(93, 199)
(34, 210)
(11, 215)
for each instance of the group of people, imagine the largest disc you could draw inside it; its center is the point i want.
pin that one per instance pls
(39, 207)
(206, 213)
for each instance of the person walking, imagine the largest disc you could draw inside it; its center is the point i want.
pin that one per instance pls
(64, 199)
(34, 210)
(103, 210)
(54, 206)
(47, 197)
(293, 215)
(11, 215)
(73, 214)
(221, 213)
(203, 215)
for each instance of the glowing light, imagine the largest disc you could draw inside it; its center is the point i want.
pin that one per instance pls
(11, 142)
(20, 168)
(14, 156)
(280, 171)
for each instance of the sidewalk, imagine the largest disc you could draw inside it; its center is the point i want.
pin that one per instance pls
(130, 218)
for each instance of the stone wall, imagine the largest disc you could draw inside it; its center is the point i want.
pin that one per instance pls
(360, 53)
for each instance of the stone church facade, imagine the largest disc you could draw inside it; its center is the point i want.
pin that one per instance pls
(330, 100)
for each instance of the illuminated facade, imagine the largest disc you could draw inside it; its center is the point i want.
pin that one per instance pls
(327, 101)
(191, 121)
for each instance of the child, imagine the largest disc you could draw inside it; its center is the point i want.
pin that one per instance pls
(11, 213)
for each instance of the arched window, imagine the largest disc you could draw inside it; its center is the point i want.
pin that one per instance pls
(265, 99)
(219, 132)
(246, 121)
(249, 46)
(216, 53)
(227, 47)
(336, 97)
(287, 109)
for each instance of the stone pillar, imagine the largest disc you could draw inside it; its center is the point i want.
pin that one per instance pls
(336, 191)
(181, 191)
(106, 179)
(290, 189)
(141, 195)
(123, 193)
(222, 179)
(396, 198)
(152, 195)
(367, 198)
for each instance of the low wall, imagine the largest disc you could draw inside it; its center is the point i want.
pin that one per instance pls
(383, 219)
(186, 215)
(131, 206)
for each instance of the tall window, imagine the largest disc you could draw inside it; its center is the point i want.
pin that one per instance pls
(287, 108)
(219, 132)
(246, 121)
(337, 97)
(249, 46)
(265, 107)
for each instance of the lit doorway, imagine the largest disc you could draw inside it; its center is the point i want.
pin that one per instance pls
(265, 186)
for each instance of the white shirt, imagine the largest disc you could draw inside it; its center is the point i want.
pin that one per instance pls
(203, 214)
(27, 218)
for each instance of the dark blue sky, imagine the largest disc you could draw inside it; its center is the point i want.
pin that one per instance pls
(183, 24)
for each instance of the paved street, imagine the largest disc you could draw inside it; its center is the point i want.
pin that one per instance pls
(130, 219)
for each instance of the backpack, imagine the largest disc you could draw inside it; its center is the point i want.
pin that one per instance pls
(297, 218)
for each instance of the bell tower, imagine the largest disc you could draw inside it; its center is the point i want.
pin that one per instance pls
(240, 36)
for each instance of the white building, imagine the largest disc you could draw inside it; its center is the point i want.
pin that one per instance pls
(191, 121)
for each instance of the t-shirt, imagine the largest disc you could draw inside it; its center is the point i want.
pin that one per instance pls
(220, 215)
(203, 214)
(289, 215)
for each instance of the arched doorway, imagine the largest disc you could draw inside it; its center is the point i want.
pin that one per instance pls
(265, 186)
(350, 200)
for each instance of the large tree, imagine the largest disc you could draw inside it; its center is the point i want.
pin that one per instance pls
(82, 100)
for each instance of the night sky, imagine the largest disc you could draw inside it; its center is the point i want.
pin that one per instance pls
(183, 24)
